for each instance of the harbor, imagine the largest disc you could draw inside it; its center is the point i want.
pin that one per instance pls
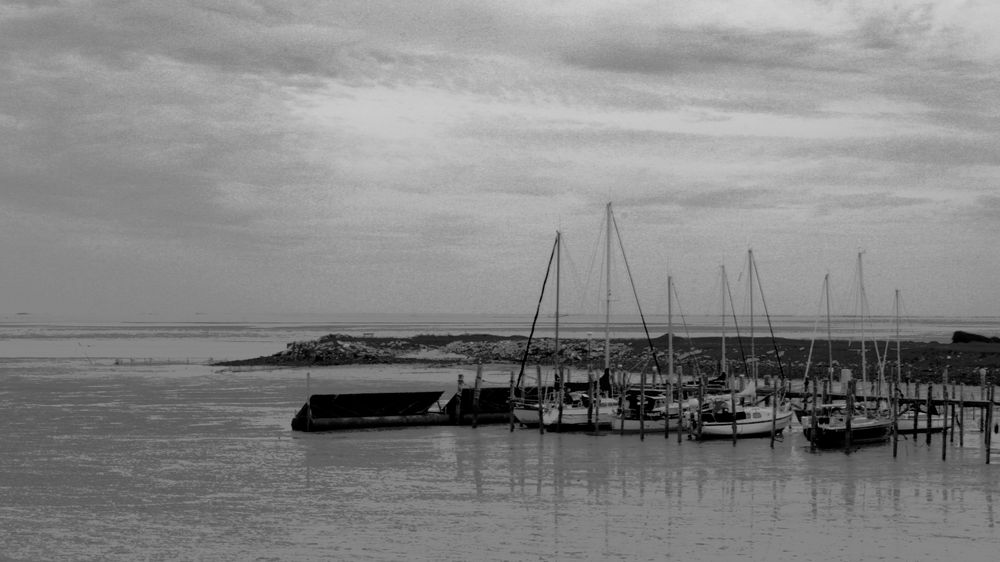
(967, 410)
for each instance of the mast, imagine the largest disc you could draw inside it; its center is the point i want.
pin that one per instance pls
(607, 303)
(558, 374)
(722, 354)
(670, 363)
(753, 344)
(864, 361)
(670, 333)
(558, 261)
(829, 332)
(894, 402)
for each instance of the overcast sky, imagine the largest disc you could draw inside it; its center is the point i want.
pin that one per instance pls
(245, 157)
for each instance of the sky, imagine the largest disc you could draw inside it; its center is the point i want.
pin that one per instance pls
(184, 158)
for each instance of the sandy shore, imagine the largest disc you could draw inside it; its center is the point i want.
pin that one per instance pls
(920, 361)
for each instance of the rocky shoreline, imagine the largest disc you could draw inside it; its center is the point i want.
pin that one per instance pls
(920, 361)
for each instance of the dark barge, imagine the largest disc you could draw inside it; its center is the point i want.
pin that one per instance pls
(329, 412)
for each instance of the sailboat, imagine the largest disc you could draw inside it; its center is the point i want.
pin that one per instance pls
(916, 417)
(560, 411)
(641, 408)
(833, 427)
(729, 415)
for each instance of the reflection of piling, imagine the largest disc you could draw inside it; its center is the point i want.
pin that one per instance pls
(475, 395)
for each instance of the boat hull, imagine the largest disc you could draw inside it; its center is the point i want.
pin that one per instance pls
(863, 432)
(757, 423)
(573, 418)
(658, 425)
(910, 424)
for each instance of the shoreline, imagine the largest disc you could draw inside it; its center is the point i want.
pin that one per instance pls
(925, 362)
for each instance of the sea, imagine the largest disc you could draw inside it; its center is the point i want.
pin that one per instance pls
(122, 441)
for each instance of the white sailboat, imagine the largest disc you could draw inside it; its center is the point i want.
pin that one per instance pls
(736, 414)
(558, 410)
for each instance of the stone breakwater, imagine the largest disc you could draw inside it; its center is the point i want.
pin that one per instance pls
(920, 361)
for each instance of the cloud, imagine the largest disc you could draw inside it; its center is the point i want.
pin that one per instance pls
(338, 151)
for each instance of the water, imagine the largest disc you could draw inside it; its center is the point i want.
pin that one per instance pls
(174, 459)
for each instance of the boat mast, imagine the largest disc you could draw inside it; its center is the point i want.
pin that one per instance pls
(722, 354)
(864, 361)
(607, 303)
(894, 401)
(558, 262)
(670, 334)
(753, 341)
(829, 332)
(558, 374)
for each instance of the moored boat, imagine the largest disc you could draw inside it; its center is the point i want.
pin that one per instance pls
(747, 421)
(834, 433)
(918, 420)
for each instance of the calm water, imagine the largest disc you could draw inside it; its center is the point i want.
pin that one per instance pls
(178, 460)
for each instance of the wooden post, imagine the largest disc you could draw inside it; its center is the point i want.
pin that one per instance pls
(982, 397)
(680, 410)
(989, 423)
(642, 405)
(987, 439)
(591, 396)
(558, 389)
(850, 416)
(701, 404)
(813, 422)
(774, 413)
(458, 399)
(475, 395)
(309, 408)
(597, 406)
(732, 410)
(944, 441)
(894, 412)
(951, 418)
(961, 415)
(930, 406)
(510, 402)
(541, 396)
(666, 413)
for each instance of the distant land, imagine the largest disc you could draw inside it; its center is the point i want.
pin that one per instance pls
(923, 362)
